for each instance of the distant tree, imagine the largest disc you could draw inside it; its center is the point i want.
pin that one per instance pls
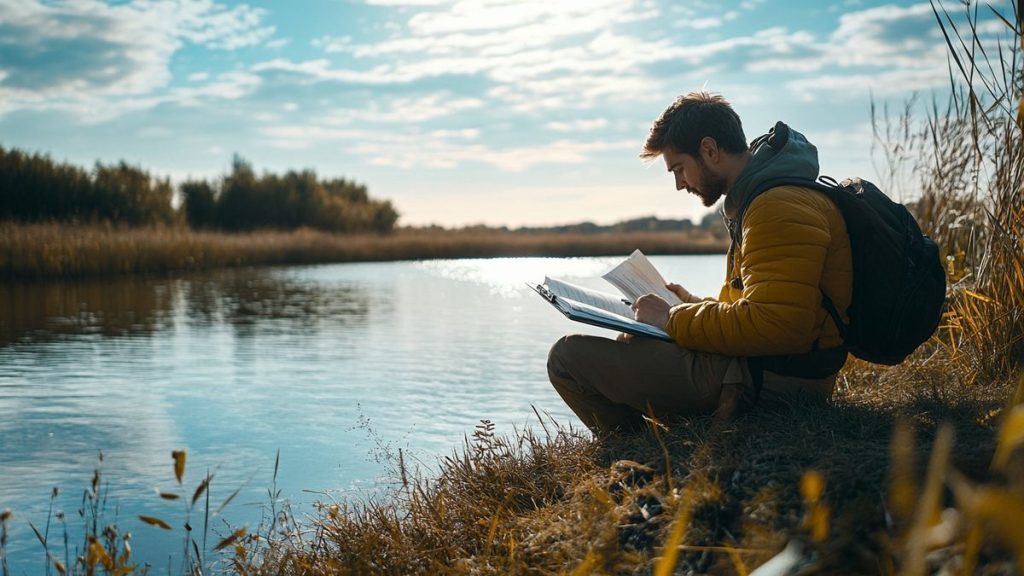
(715, 224)
(247, 201)
(199, 202)
(34, 188)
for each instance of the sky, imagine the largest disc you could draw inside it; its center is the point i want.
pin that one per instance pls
(499, 112)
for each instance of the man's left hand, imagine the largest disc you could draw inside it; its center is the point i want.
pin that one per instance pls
(651, 309)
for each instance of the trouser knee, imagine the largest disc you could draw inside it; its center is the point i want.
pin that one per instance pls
(561, 355)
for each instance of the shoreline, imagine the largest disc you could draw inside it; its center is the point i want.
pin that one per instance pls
(62, 252)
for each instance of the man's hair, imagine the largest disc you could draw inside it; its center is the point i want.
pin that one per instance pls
(690, 119)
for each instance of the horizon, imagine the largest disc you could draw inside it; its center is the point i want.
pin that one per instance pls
(500, 113)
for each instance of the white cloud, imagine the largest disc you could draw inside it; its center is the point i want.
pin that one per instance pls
(408, 2)
(78, 56)
(405, 110)
(519, 46)
(888, 50)
(887, 83)
(583, 125)
(439, 149)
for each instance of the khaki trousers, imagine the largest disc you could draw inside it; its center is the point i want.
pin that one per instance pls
(610, 384)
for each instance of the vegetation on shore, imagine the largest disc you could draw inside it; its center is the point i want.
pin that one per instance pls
(61, 251)
(34, 188)
(60, 221)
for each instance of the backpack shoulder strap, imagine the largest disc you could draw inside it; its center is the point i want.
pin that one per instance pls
(826, 186)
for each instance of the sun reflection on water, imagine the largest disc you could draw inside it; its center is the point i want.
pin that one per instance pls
(508, 277)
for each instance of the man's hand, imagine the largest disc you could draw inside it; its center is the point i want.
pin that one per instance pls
(681, 292)
(651, 309)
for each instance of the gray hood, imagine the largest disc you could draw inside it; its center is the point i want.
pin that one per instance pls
(782, 152)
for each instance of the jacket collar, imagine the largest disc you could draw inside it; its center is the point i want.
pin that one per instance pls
(780, 152)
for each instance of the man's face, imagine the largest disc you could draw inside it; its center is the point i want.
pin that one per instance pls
(693, 175)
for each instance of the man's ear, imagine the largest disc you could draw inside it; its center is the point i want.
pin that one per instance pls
(709, 150)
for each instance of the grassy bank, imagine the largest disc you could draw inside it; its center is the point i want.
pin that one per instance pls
(30, 251)
(860, 487)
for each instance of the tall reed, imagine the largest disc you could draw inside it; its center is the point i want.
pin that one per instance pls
(965, 160)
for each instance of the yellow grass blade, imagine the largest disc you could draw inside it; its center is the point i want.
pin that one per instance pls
(179, 464)
(153, 521)
(670, 553)
(230, 539)
(201, 488)
(493, 528)
(928, 507)
(1018, 395)
(902, 489)
(981, 297)
(997, 510)
(96, 554)
(590, 561)
(812, 486)
(1011, 435)
(600, 495)
(737, 562)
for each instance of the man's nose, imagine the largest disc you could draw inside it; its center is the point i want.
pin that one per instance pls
(680, 182)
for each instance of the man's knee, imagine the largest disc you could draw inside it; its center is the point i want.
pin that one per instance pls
(566, 352)
(560, 350)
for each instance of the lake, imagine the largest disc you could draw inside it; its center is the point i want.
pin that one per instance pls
(334, 367)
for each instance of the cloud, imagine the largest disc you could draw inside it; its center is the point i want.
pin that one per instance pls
(75, 55)
(887, 83)
(888, 50)
(406, 110)
(534, 54)
(438, 149)
(584, 125)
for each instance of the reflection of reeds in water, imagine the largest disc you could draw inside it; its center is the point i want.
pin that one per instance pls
(63, 251)
(249, 299)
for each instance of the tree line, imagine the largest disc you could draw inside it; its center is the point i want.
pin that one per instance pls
(35, 188)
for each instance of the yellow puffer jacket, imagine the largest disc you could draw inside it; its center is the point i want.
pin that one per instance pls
(794, 245)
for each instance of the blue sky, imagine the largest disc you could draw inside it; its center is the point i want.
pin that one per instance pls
(490, 111)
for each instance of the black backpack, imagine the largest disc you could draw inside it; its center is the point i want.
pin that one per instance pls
(899, 284)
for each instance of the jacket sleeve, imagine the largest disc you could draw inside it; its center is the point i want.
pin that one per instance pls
(785, 242)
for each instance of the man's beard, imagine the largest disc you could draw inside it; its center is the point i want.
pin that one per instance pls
(712, 186)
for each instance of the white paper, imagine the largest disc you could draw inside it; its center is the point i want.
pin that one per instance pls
(636, 276)
(602, 300)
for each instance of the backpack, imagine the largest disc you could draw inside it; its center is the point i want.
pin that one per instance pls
(899, 284)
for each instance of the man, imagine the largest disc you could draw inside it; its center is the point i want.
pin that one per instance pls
(767, 334)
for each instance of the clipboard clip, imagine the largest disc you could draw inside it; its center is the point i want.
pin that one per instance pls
(543, 291)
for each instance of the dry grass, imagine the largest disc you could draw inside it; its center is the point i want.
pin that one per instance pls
(722, 498)
(63, 251)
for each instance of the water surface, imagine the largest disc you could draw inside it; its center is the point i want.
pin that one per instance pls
(335, 367)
